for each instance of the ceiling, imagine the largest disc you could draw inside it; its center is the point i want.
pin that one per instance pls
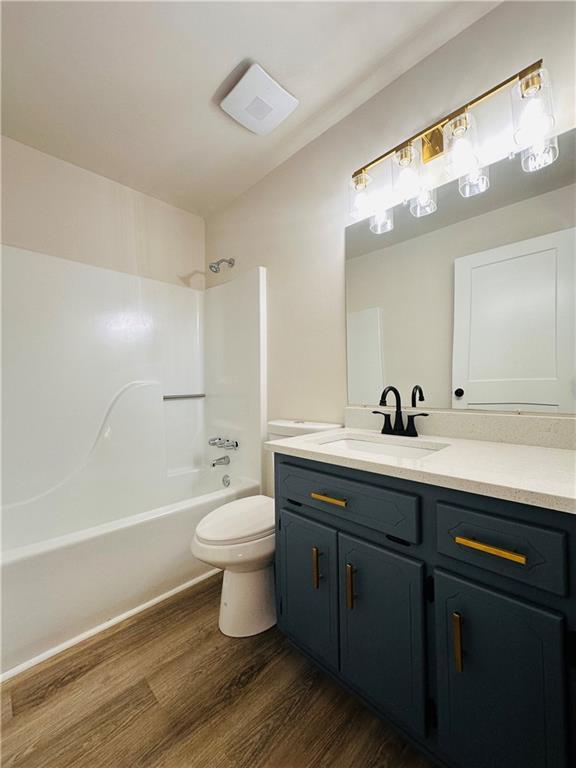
(130, 90)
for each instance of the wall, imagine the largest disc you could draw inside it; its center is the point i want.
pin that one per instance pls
(236, 370)
(422, 350)
(293, 220)
(56, 208)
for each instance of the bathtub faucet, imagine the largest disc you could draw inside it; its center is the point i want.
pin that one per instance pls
(221, 460)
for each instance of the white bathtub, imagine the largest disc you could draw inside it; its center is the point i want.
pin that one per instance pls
(59, 591)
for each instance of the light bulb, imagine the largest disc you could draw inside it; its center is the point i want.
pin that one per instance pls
(362, 206)
(406, 167)
(532, 110)
(460, 141)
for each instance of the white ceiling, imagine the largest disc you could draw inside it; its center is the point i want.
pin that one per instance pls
(130, 90)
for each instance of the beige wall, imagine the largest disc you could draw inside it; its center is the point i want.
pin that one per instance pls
(57, 208)
(293, 220)
(413, 282)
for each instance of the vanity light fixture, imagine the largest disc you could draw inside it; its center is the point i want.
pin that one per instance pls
(454, 137)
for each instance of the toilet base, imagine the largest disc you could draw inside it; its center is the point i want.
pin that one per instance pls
(247, 605)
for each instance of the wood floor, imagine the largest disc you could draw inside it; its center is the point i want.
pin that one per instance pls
(166, 690)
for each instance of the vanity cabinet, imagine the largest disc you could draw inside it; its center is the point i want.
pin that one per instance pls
(460, 632)
(309, 598)
(382, 628)
(500, 677)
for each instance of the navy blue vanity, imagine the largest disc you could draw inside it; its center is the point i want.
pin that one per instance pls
(450, 614)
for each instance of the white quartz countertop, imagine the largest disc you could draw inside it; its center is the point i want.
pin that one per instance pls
(542, 477)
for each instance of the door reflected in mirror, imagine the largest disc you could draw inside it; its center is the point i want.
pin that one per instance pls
(476, 302)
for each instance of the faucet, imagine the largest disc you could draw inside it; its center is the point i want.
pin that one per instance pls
(222, 460)
(417, 390)
(398, 428)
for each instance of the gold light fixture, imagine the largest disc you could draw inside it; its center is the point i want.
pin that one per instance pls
(432, 137)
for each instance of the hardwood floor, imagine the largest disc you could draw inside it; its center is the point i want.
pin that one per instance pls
(166, 689)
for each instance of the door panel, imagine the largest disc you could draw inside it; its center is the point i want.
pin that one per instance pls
(514, 326)
(309, 586)
(382, 630)
(506, 706)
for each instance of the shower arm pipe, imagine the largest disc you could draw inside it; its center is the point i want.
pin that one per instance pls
(440, 123)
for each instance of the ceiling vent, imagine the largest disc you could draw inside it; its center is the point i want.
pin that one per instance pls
(258, 102)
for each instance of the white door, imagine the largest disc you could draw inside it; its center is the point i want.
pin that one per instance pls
(514, 326)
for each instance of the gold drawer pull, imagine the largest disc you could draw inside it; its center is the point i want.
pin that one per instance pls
(504, 553)
(457, 635)
(315, 568)
(328, 499)
(349, 586)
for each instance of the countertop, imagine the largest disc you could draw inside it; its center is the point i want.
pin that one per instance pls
(542, 477)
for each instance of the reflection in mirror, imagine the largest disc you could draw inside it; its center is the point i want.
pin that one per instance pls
(476, 299)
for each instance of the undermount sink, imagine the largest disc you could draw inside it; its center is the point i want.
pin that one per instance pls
(406, 448)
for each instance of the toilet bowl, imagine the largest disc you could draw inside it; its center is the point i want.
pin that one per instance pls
(239, 538)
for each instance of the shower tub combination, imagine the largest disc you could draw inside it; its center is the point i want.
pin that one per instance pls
(64, 589)
(106, 463)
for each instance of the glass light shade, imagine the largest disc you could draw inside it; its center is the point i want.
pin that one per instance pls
(382, 221)
(474, 183)
(539, 155)
(361, 207)
(532, 108)
(460, 145)
(424, 203)
(406, 166)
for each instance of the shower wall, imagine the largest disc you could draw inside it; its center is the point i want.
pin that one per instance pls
(88, 355)
(236, 405)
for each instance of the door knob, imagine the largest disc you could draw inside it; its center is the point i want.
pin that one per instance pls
(458, 392)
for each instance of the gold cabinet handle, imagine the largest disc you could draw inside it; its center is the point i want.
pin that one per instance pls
(349, 586)
(503, 553)
(328, 499)
(457, 639)
(315, 568)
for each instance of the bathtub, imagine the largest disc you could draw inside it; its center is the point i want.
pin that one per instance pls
(59, 591)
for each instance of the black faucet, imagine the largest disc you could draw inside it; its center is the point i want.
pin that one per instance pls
(398, 428)
(417, 390)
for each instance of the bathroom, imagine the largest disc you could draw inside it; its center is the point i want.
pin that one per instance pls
(288, 376)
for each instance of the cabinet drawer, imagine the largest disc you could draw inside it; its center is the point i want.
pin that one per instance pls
(378, 508)
(526, 553)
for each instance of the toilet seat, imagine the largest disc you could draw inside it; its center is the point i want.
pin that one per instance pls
(237, 522)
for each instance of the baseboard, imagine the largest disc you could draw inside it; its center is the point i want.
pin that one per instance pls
(101, 627)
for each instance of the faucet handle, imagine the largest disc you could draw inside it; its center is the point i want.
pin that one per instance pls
(387, 426)
(216, 441)
(411, 426)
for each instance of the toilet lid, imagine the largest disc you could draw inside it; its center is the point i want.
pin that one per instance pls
(238, 521)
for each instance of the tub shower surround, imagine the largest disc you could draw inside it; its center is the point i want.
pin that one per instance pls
(100, 506)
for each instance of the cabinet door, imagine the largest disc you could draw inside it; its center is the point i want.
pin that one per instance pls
(308, 586)
(382, 630)
(500, 679)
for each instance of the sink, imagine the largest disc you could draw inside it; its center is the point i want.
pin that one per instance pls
(404, 448)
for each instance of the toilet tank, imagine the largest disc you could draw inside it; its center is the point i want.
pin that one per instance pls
(280, 429)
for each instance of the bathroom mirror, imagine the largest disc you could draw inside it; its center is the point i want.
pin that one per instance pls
(475, 302)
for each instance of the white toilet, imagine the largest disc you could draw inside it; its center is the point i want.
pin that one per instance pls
(239, 538)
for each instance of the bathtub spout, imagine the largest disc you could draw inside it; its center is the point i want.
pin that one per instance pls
(222, 460)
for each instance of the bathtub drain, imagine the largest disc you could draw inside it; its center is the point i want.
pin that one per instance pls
(226, 481)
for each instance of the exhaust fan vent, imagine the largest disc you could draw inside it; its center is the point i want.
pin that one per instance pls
(258, 102)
